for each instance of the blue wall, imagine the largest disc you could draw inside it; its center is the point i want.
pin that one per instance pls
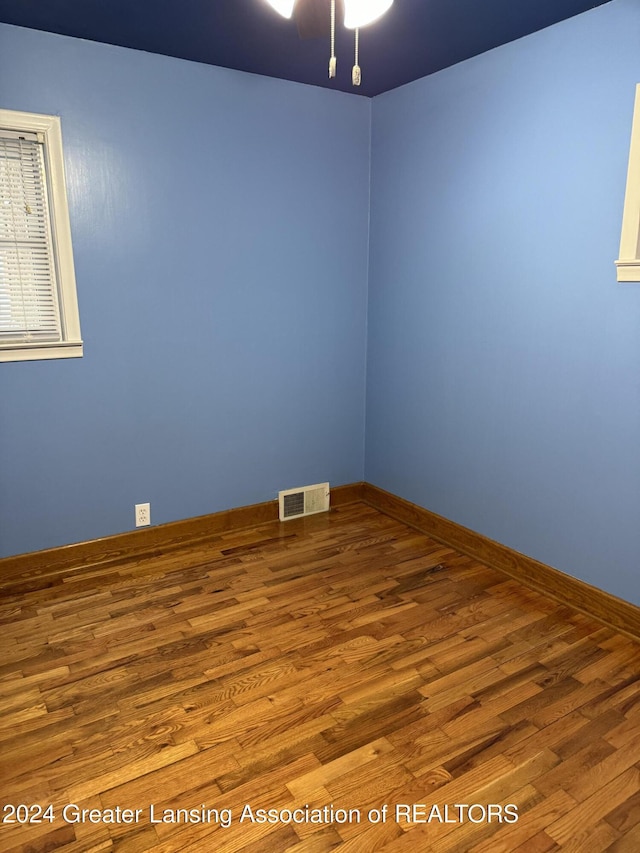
(220, 235)
(221, 250)
(503, 358)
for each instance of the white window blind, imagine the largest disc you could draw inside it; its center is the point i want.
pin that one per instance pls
(38, 302)
(29, 305)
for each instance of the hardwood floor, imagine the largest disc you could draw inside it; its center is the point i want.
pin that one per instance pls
(375, 689)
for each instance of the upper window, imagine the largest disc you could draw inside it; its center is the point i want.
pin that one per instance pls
(629, 262)
(38, 304)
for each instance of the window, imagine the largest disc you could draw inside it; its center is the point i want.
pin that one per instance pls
(629, 262)
(38, 304)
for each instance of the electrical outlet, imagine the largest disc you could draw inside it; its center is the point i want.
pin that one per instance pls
(143, 515)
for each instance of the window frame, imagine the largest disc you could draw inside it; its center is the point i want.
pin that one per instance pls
(70, 343)
(628, 263)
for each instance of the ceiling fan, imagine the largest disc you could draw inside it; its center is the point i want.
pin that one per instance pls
(317, 19)
(312, 17)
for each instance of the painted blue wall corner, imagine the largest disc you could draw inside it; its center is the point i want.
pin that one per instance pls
(503, 357)
(220, 247)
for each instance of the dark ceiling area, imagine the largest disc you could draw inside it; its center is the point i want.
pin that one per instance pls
(413, 39)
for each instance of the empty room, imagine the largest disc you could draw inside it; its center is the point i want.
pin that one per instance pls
(319, 426)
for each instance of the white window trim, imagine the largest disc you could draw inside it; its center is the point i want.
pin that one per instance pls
(71, 344)
(628, 264)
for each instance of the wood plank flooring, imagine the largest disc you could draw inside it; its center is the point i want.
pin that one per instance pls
(337, 683)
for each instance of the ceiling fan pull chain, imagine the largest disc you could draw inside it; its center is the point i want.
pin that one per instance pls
(356, 73)
(332, 60)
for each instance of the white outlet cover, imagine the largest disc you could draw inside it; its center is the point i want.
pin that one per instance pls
(143, 515)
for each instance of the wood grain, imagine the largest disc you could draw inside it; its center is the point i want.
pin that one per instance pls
(344, 661)
(570, 591)
(147, 541)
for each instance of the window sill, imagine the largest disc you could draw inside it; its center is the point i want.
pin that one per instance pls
(36, 352)
(628, 270)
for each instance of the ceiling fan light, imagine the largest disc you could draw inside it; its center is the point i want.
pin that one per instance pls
(284, 7)
(359, 13)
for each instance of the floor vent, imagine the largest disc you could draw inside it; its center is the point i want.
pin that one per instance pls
(307, 500)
